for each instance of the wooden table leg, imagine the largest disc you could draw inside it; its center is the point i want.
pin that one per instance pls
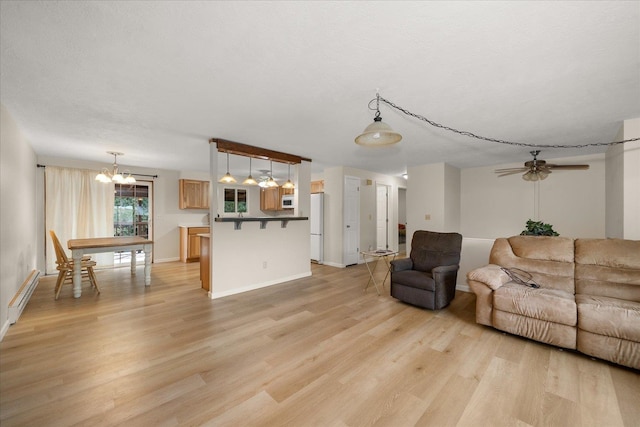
(147, 265)
(77, 273)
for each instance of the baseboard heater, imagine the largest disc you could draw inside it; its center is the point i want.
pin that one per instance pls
(20, 300)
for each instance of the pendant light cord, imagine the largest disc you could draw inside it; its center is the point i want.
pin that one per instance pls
(484, 138)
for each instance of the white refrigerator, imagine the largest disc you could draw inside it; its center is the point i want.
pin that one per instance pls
(316, 218)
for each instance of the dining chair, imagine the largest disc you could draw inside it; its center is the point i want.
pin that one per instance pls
(65, 266)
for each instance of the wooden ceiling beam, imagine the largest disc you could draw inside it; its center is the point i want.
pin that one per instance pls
(225, 146)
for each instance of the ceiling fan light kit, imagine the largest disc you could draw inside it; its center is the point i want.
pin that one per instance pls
(537, 170)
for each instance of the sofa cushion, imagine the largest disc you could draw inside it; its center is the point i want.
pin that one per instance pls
(536, 329)
(415, 279)
(609, 316)
(548, 259)
(608, 268)
(545, 304)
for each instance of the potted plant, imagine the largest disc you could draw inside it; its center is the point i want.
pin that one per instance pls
(538, 228)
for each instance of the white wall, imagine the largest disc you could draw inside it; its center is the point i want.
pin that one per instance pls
(433, 199)
(18, 240)
(572, 201)
(632, 180)
(614, 188)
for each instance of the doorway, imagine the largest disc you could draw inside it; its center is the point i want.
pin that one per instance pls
(382, 216)
(132, 216)
(351, 220)
(402, 219)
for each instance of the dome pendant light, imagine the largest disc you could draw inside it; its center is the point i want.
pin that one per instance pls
(288, 184)
(271, 182)
(378, 133)
(227, 178)
(250, 180)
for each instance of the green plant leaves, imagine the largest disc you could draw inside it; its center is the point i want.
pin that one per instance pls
(538, 228)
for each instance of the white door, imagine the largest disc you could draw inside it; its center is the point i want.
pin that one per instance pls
(382, 216)
(351, 220)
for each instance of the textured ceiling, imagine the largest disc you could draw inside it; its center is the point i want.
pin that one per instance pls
(156, 80)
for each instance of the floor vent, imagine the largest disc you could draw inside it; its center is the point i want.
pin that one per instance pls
(20, 300)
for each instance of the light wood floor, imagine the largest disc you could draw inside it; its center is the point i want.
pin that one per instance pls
(312, 352)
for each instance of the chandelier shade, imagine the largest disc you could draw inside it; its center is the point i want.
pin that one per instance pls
(106, 176)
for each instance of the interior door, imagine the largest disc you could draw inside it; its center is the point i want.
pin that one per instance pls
(382, 216)
(351, 220)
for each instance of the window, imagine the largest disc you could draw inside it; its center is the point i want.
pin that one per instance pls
(132, 215)
(235, 200)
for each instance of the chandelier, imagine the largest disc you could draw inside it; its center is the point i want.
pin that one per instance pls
(106, 176)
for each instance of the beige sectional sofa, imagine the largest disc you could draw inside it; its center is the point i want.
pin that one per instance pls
(588, 299)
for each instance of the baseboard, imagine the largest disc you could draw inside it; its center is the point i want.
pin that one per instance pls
(334, 264)
(158, 261)
(5, 328)
(215, 295)
(463, 288)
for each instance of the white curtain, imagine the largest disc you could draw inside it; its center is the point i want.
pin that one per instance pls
(77, 207)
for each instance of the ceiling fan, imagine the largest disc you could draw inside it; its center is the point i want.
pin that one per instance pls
(535, 169)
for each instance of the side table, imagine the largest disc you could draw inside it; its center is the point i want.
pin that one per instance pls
(385, 255)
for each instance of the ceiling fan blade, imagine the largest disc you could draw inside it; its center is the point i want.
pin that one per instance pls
(511, 172)
(569, 167)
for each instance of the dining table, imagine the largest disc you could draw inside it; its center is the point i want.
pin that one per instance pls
(81, 247)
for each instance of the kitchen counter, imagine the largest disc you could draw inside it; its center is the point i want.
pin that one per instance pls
(237, 221)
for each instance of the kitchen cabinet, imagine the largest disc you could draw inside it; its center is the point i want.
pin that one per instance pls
(317, 186)
(205, 262)
(190, 242)
(193, 194)
(271, 198)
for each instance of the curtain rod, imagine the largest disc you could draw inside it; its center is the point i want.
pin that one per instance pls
(132, 173)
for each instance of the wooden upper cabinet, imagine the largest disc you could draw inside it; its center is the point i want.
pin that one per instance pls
(194, 194)
(317, 186)
(271, 198)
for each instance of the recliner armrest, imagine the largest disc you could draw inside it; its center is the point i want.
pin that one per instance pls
(443, 270)
(401, 264)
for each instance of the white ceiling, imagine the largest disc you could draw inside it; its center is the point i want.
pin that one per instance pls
(156, 80)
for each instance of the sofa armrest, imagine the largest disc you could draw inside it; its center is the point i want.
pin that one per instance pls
(490, 275)
(401, 264)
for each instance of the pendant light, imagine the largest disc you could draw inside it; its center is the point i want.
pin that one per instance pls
(271, 182)
(378, 133)
(288, 184)
(115, 176)
(250, 180)
(227, 178)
